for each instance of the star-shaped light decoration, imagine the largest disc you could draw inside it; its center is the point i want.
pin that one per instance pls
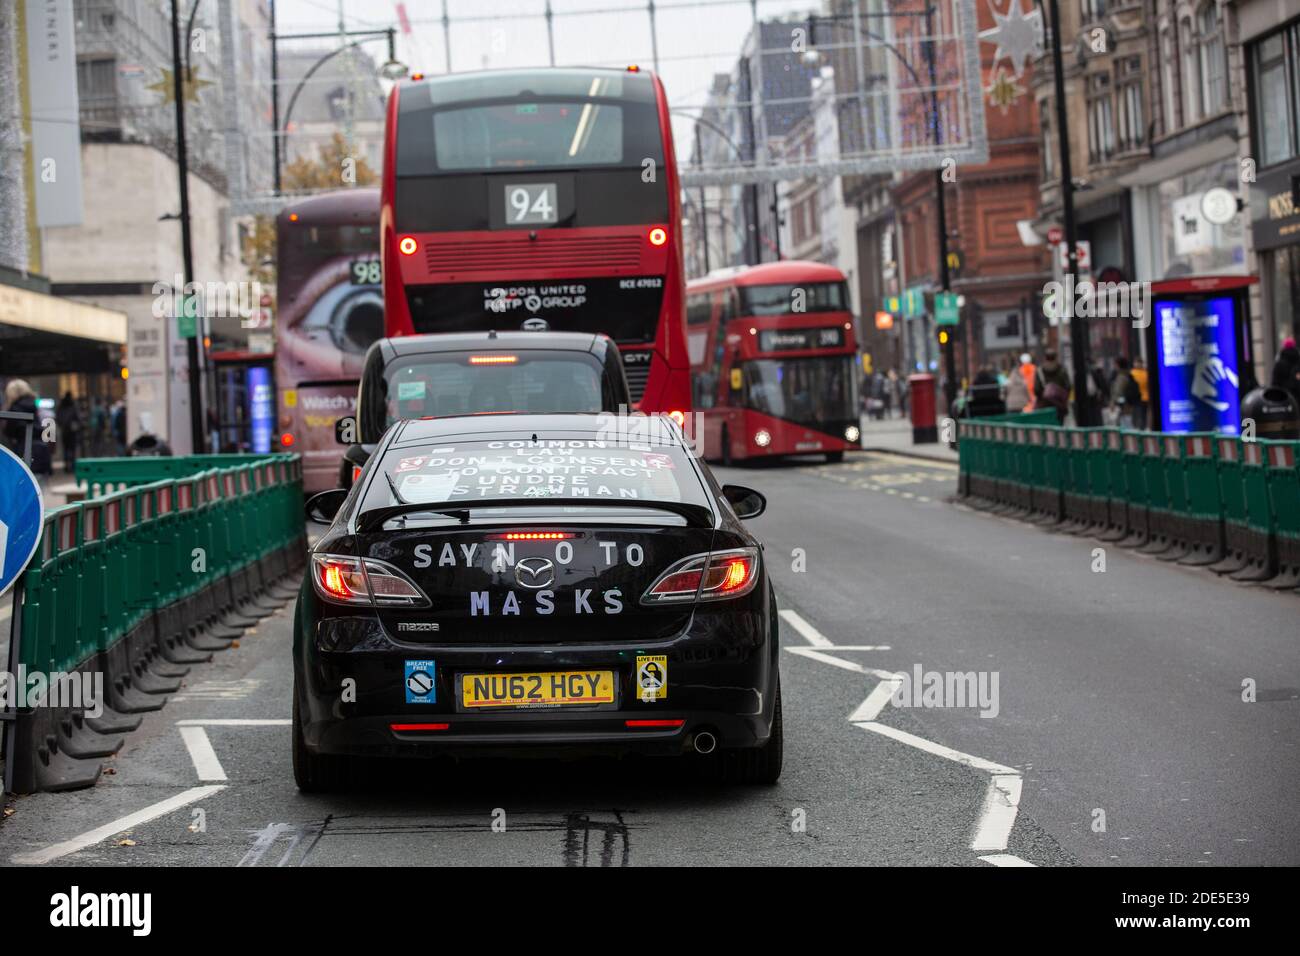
(1017, 36)
(167, 87)
(1004, 90)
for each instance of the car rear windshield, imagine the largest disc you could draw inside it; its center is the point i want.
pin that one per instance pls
(461, 472)
(467, 383)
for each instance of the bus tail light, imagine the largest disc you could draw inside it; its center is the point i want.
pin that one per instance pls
(407, 245)
(707, 577)
(658, 236)
(341, 579)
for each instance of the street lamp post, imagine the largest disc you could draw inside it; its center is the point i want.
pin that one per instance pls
(187, 250)
(391, 70)
(1079, 346)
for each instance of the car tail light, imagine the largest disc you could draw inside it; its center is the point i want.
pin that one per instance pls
(341, 579)
(653, 723)
(287, 439)
(706, 577)
(356, 473)
(407, 245)
(532, 536)
(679, 417)
(493, 359)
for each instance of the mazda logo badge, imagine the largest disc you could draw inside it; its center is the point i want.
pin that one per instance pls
(534, 573)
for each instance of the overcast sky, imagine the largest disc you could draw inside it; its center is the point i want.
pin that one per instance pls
(695, 40)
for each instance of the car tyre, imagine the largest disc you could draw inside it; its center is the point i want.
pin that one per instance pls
(313, 773)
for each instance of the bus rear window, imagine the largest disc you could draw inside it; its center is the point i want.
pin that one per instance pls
(788, 299)
(528, 135)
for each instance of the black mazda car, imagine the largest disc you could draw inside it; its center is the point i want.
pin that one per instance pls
(536, 584)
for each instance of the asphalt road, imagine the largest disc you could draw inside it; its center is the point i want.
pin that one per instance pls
(1120, 734)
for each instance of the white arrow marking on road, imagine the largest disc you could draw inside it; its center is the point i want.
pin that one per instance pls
(129, 822)
(201, 753)
(842, 664)
(939, 750)
(870, 708)
(998, 816)
(1001, 799)
(810, 633)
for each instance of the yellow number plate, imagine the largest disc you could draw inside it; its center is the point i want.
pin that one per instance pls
(554, 689)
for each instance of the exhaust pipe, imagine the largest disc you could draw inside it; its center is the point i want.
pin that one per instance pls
(705, 742)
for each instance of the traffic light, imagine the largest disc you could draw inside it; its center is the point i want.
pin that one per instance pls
(944, 335)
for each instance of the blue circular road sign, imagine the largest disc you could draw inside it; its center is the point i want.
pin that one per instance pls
(21, 511)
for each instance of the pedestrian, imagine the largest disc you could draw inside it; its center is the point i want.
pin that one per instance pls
(1139, 374)
(98, 419)
(1028, 373)
(1286, 369)
(68, 420)
(1017, 392)
(1052, 386)
(117, 425)
(19, 397)
(1124, 393)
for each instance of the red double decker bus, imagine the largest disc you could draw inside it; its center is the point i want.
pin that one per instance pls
(774, 359)
(544, 198)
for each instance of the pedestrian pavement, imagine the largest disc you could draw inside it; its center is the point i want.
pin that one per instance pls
(895, 435)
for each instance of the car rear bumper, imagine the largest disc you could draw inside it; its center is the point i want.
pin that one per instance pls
(721, 678)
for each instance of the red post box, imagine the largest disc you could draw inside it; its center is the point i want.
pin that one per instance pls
(924, 428)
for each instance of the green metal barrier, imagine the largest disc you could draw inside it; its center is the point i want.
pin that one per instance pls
(1199, 498)
(103, 475)
(131, 584)
(1282, 464)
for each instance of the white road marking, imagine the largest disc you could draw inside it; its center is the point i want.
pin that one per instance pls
(1005, 859)
(870, 708)
(939, 750)
(233, 722)
(837, 662)
(998, 815)
(810, 633)
(860, 647)
(204, 757)
(128, 822)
